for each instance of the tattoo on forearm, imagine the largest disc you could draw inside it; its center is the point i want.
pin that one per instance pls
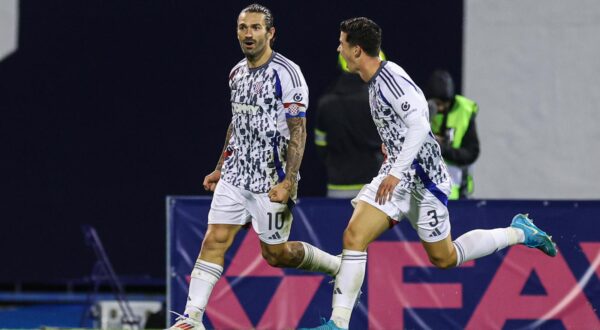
(222, 158)
(295, 150)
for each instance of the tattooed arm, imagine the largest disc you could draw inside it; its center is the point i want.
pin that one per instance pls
(295, 150)
(282, 191)
(210, 181)
(224, 151)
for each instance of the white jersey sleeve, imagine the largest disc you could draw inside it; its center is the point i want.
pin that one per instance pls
(410, 104)
(294, 91)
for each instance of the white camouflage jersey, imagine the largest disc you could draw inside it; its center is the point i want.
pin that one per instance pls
(261, 100)
(400, 113)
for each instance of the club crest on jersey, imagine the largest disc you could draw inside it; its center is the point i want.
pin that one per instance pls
(257, 87)
(297, 97)
(405, 106)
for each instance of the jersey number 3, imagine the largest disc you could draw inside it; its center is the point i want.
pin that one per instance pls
(433, 215)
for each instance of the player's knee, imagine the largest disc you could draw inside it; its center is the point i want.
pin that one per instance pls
(353, 240)
(216, 240)
(442, 262)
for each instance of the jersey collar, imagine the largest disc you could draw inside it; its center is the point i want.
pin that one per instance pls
(383, 63)
(263, 65)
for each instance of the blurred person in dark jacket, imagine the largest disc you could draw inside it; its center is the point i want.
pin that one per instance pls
(345, 135)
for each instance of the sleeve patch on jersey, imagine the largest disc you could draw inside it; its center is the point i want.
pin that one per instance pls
(405, 106)
(294, 110)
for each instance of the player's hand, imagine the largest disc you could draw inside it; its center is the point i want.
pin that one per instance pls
(210, 181)
(281, 192)
(386, 189)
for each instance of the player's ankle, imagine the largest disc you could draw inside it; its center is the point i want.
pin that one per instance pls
(341, 323)
(515, 236)
(194, 313)
(341, 317)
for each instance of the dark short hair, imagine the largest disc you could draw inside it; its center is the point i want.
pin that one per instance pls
(363, 32)
(256, 8)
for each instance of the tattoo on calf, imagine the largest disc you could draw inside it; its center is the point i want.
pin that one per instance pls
(295, 253)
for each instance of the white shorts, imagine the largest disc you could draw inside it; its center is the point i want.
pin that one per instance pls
(426, 213)
(235, 206)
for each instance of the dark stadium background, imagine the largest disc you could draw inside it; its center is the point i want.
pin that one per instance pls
(109, 106)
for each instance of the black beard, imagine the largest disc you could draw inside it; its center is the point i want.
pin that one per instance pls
(251, 56)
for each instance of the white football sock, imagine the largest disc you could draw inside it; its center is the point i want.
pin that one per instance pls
(317, 260)
(479, 243)
(347, 286)
(515, 236)
(341, 317)
(204, 277)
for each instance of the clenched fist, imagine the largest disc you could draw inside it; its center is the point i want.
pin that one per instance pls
(281, 192)
(210, 181)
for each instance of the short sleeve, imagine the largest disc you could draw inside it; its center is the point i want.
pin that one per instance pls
(292, 89)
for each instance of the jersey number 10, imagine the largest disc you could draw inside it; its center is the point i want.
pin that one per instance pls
(278, 220)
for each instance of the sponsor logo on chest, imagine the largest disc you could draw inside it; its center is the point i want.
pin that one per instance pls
(242, 108)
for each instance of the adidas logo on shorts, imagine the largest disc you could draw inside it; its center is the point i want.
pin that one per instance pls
(435, 232)
(275, 236)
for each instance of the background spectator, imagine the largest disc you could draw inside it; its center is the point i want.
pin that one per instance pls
(452, 119)
(345, 135)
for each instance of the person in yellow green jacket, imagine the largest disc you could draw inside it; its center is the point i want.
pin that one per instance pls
(452, 118)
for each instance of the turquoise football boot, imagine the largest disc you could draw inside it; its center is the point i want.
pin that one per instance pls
(329, 325)
(534, 237)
